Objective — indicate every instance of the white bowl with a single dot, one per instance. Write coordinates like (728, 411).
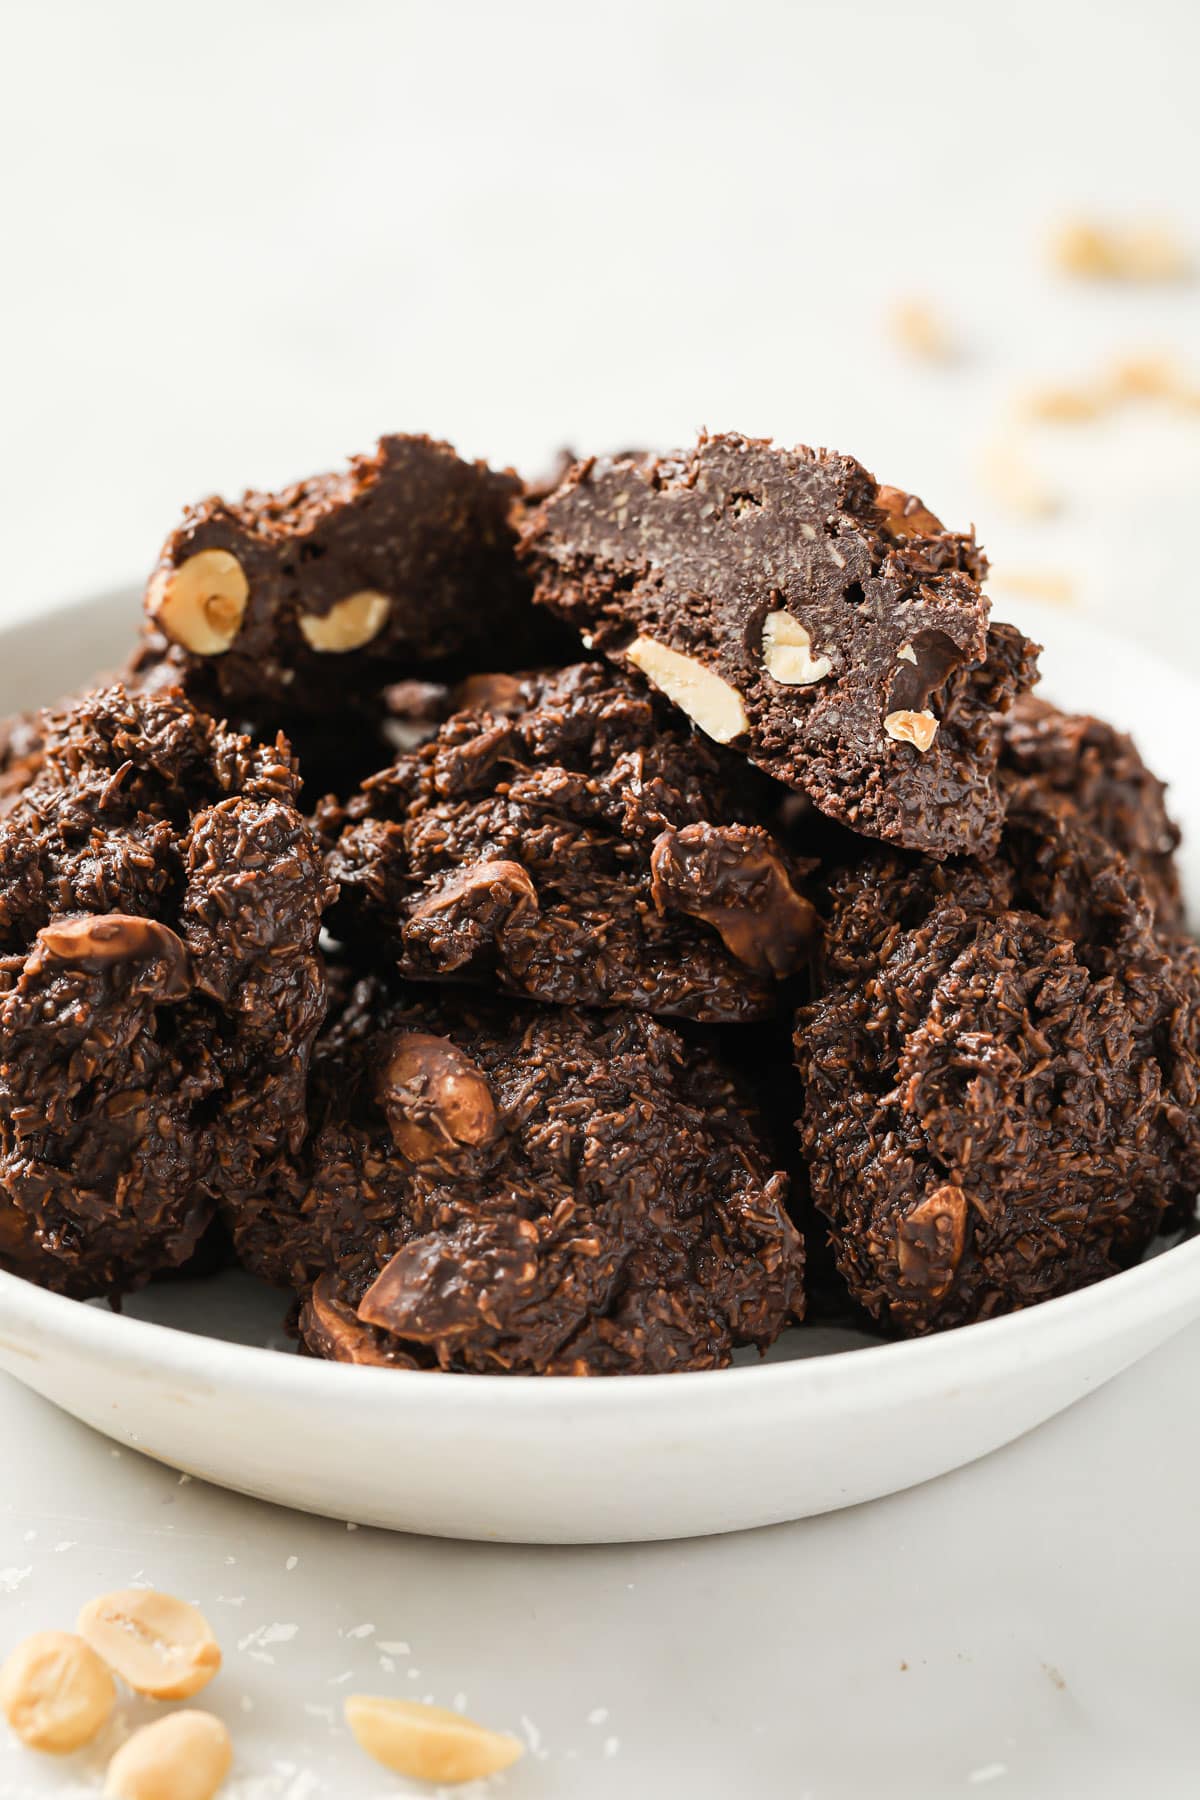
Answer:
(818, 1426)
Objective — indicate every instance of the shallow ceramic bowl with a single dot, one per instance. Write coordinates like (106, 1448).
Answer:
(198, 1381)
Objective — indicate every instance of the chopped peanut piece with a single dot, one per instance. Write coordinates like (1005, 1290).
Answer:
(349, 625)
(1039, 584)
(917, 328)
(55, 1692)
(1128, 379)
(160, 1646)
(1016, 484)
(1066, 405)
(185, 1756)
(428, 1743)
(916, 728)
(787, 652)
(1095, 252)
(707, 699)
(202, 603)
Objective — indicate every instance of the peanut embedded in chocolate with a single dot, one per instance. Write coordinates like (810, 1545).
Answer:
(734, 878)
(435, 1099)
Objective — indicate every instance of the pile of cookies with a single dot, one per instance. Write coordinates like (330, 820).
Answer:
(517, 920)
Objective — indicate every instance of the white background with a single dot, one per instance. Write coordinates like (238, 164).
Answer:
(241, 240)
(238, 241)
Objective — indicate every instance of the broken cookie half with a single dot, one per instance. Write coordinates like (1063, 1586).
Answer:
(306, 600)
(829, 628)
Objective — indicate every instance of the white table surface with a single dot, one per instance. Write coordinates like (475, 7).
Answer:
(238, 242)
(1027, 1625)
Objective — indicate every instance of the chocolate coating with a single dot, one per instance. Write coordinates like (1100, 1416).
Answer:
(530, 1190)
(698, 551)
(1000, 1073)
(570, 842)
(160, 987)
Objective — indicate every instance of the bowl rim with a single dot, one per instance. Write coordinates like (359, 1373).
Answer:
(1166, 1282)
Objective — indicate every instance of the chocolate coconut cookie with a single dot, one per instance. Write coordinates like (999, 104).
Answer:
(1000, 1073)
(567, 839)
(830, 628)
(160, 987)
(311, 600)
(530, 1190)
(1100, 770)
